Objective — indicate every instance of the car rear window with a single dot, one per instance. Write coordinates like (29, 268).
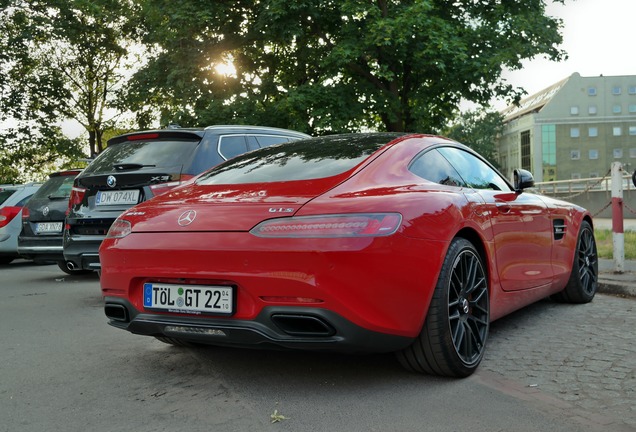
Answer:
(299, 160)
(56, 187)
(5, 194)
(147, 153)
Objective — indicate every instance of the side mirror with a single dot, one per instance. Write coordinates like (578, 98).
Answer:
(523, 180)
(634, 178)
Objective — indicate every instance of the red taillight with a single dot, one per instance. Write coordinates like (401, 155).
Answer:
(7, 214)
(25, 213)
(119, 229)
(344, 225)
(161, 188)
(76, 198)
(142, 136)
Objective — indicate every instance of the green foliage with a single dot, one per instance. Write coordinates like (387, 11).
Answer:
(479, 129)
(61, 59)
(605, 244)
(30, 154)
(318, 66)
(326, 66)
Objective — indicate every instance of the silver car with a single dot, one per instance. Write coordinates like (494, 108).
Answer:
(12, 199)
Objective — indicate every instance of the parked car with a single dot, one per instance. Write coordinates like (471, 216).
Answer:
(43, 220)
(354, 243)
(138, 166)
(12, 199)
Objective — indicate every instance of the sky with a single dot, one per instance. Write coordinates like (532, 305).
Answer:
(599, 38)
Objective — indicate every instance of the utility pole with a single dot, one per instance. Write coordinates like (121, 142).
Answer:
(618, 235)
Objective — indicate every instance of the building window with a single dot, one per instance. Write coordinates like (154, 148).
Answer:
(575, 154)
(593, 132)
(591, 110)
(576, 176)
(593, 154)
(632, 108)
(591, 91)
(594, 175)
(526, 160)
(616, 131)
(618, 153)
(548, 152)
(632, 130)
(574, 110)
(632, 90)
(616, 90)
(632, 153)
(575, 132)
(617, 109)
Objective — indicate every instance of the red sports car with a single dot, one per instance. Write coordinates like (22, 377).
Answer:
(355, 243)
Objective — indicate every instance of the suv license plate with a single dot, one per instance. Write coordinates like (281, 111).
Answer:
(117, 197)
(193, 299)
(48, 227)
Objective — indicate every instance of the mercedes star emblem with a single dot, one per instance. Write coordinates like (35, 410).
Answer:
(187, 217)
(111, 181)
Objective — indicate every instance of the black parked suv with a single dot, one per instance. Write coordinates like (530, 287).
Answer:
(138, 166)
(43, 220)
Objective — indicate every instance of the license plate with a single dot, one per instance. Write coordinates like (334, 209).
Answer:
(48, 227)
(194, 299)
(117, 197)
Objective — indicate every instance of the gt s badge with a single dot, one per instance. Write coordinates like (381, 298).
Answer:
(280, 210)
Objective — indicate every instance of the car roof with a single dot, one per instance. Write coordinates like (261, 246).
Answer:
(191, 133)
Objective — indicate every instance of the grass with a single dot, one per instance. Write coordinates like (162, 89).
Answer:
(605, 245)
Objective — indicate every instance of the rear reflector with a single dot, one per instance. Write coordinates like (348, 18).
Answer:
(343, 225)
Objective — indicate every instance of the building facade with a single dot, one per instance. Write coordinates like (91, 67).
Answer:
(574, 129)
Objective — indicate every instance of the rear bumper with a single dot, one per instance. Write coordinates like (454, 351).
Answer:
(274, 327)
(82, 251)
(41, 248)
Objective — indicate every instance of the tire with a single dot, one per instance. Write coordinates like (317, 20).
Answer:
(583, 282)
(453, 338)
(62, 266)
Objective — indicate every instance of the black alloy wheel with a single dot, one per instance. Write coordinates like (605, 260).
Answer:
(583, 282)
(453, 339)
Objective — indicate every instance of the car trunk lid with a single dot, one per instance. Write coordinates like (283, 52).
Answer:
(225, 207)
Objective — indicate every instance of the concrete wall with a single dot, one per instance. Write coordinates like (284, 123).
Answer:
(594, 201)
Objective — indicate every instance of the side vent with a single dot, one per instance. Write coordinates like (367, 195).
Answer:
(559, 228)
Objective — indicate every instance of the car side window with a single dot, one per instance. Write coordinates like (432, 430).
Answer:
(477, 173)
(23, 201)
(268, 140)
(431, 165)
(232, 145)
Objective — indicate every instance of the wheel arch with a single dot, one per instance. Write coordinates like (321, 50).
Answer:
(473, 236)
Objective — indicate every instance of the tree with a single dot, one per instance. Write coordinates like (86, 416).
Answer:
(30, 154)
(326, 66)
(62, 59)
(480, 130)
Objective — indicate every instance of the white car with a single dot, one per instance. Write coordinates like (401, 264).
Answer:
(12, 199)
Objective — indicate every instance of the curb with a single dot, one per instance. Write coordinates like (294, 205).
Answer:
(623, 285)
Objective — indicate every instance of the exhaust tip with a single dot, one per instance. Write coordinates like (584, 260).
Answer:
(116, 312)
(71, 265)
(303, 325)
